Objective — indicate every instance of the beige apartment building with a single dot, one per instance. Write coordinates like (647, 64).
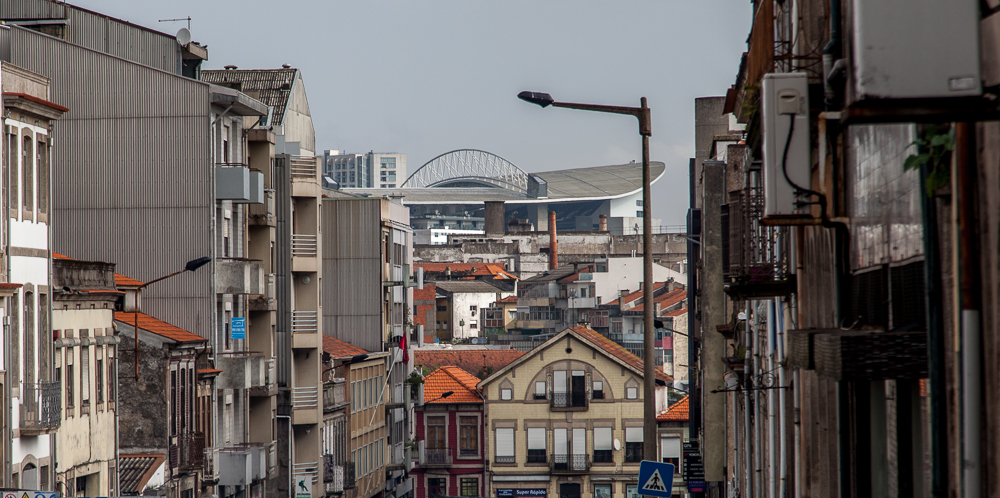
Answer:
(566, 419)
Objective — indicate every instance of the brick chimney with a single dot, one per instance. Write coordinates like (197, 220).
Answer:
(553, 245)
(602, 224)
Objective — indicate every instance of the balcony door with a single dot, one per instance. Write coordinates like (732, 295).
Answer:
(578, 459)
(560, 443)
(578, 388)
(435, 433)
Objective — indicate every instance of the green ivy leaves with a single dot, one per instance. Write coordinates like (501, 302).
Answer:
(934, 150)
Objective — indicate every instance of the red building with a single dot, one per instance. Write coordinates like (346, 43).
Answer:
(450, 434)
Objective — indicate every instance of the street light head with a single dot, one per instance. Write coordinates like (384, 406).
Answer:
(194, 264)
(446, 394)
(539, 98)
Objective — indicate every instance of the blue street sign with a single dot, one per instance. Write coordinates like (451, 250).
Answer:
(238, 327)
(656, 479)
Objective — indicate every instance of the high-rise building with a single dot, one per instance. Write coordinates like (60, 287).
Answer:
(369, 170)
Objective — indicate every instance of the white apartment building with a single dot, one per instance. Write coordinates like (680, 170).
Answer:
(367, 170)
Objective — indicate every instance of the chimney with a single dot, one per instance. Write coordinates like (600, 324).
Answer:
(553, 246)
(602, 224)
(495, 219)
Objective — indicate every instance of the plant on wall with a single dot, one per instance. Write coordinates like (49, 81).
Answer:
(934, 148)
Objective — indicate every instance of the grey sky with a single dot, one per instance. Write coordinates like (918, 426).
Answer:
(427, 77)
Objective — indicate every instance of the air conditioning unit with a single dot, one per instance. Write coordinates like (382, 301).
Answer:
(787, 161)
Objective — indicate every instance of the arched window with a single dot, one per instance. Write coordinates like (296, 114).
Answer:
(29, 477)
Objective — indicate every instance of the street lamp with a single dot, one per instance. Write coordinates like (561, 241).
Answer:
(442, 396)
(192, 265)
(649, 365)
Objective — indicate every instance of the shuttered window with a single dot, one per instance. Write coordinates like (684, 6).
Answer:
(536, 445)
(602, 445)
(505, 445)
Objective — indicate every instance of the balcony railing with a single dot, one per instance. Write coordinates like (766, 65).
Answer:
(333, 393)
(307, 470)
(303, 169)
(304, 245)
(333, 475)
(569, 463)
(504, 459)
(757, 254)
(40, 407)
(304, 322)
(188, 451)
(575, 399)
(437, 456)
(305, 397)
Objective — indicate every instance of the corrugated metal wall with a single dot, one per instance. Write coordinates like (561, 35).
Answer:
(132, 179)
(104, 34)
(352, 271)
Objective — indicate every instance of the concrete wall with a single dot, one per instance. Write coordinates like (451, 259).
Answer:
(298, 125)
(460, 311)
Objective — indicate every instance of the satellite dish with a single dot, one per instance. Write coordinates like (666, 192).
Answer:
(618, 445)
(183, 36)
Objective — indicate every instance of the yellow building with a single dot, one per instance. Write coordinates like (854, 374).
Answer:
(566, 420)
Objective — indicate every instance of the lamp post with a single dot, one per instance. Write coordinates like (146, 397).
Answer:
(649, 364)
(192, 265)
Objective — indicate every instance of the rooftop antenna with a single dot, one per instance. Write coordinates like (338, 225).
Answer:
(188, 19)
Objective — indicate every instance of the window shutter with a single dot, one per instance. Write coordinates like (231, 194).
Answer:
(633, 434)
(505, 442)
(602, 438)
(536, 438)
(560, 441)
(670, 447)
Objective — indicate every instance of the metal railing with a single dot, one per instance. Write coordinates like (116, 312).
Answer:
(308, 470)
(574, 399)
(188, 450)
(757, 252)
(571, 463)
(305, 322)
(333, 475)
(305, 397)
(40, 406)
(437, 456)
(504, 459)
(303, 169)
(304, 245)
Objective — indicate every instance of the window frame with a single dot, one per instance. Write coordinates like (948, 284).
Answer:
(467, 430)
(505, 459)
(462, 490)
(536, 457)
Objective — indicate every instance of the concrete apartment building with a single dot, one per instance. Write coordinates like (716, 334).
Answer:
(85, 360)
(465, 299)
(377, 170)
(555, 413)
(31, 400)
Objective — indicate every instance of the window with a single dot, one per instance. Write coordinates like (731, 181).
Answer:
(602, 491)
(473, 310)
(670, 451)
(442, 308)
(69, 380)
(85, 376)
(12, 144)
(632, 491)
(506, 393)
(638, 214)
(540, 389)
(435, 487)
(536, 445)
(112, 374)
(512, 314)
(638, 203)
(505, 445)
(631, 393)
(470, 486)
(43, 175)
(633, 444)
(472, 324)
(468, 434)
(435, 433)
(28, 163)
(597, 391)
(602, 445)
(99, 380)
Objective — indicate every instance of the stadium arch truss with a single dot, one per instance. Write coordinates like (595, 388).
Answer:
(469, 166)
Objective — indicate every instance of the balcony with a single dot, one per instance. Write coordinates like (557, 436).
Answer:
(870, 356)
(239, 276)
(40, 408)
(569, 401)
(436, 457)
(240, 370)
(238, 183)
(187, 451)
(334, 475)
(305, 250)
(306, 470)
(333, 394)
(577, 303)
(240, 465)
(305, 330)
(263, 214)
(266, 301)
(305, 401)
(569, 464)
(755, 256)
(305, 177)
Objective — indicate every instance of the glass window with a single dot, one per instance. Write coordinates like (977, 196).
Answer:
(632, 491)
(470, 486)
(598, 389)
(602, 491)
(602, 445)
(633, 444)
(435, 487)
(536, 445)
(435, 433)
(540, 389)
(468, 429)
(506, 393)
(670, 451)
(505, 445)
(631, 393)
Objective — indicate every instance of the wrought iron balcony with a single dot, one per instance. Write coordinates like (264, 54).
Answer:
(570, 400)
(40, 408)
(755, 255)
(188, 451)
(569, 463)
(437, 457)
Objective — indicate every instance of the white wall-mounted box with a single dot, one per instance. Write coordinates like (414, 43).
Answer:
(785, 99)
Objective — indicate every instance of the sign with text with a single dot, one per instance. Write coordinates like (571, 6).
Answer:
(511, 493)
(238, 327)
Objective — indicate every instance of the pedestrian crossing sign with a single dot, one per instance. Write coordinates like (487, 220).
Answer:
(656, 479)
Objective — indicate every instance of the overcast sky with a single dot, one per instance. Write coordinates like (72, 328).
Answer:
(427, 77)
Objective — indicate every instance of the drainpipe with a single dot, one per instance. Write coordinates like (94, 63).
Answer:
(291, 458)
(785, 313)
(972, 343)
(772, 460)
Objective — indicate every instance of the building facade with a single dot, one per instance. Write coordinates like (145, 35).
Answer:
(374, 170)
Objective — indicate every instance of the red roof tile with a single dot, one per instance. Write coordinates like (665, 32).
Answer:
(158, 327)
(576, 276)
(209, 370)
(340, 349)
(679, 412)
(123, 281)
(614, 349)
(636, 295)
(428, 293)
(454, 379)
(56, 255)
(496, 270)
(679, 312)
(471, 360)
(508, 300)
(666, 300)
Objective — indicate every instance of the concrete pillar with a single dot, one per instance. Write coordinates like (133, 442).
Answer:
(713, 314)
(495, 226)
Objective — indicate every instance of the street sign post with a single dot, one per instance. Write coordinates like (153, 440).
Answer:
(656, 479)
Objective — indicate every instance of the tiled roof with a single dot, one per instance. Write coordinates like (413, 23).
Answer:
(450, 378)
(508, 300)
(496, 270)
(614, 349)
(679, 312)
(135, 470)
(425, 294)
(576, 276)
(666, 300)
(340, 349)
(466, 286)
(158, 327)
(56, 255)
(123, 281)
(472, 361)
(676, 413)
(272, 87)
(635, 295)
(552, 275)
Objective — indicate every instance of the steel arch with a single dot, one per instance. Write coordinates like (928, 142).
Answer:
(472, 165)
